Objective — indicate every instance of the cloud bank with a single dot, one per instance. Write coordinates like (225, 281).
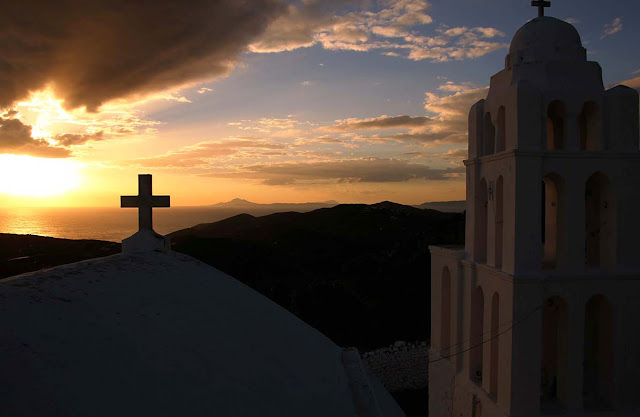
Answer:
(95, 51)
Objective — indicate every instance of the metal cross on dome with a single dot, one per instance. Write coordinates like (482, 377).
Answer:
(145, 202)
(540, 4)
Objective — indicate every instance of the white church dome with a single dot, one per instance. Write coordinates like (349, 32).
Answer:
(545, 39)
(162, 334)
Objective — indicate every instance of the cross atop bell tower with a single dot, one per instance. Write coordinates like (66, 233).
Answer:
(540, 4)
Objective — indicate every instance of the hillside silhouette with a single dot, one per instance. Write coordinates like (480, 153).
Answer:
(27, 253)
(358, 273)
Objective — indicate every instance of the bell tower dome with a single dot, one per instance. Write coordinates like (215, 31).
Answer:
(545, 39)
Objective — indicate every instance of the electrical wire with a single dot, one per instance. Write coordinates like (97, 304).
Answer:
(491, 338)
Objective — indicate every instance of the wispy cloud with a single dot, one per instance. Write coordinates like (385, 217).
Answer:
(612, 28)
(71, 139)
(203, 90)
(450, 111)
(456, 154)
(389, 30)
(370, 170)
(288, 125)
(294, 151)
(446, 122)
(204, 153)
(381, 122)
(452, 87)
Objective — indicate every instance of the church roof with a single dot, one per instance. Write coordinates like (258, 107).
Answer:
(546, 39)
(157, 333)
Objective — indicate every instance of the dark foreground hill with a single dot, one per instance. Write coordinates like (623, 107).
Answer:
(358, 273)
(26, 253)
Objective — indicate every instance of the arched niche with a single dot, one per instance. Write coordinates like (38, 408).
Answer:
(556, 125)
(500, 130)
(445, 312)
(601, 249)
(553, 219)
(499, 221)
(494, 347)
(480, 236)
(489, 135)
(554, 354)
(590, 127)
(598, 366)
(476, 336)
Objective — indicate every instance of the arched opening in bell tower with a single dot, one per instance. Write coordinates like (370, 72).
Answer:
(600, 223)
(489, 135)
(494, 346)
(500, 131)
(445, 313)
(552, 219)
(553, 365)
(499, 216)
(476, 336)
(555, 125)
(589, 127)
(598, 370)
(481, 222)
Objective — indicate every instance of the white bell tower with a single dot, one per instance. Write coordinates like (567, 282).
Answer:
(535, 315)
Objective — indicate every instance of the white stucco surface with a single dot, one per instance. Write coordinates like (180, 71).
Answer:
(162, 334)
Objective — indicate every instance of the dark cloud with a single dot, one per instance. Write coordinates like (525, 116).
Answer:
(94, 51)
(351, 170)
(10, 113)
(70, 139)
(382, 122)
(15, 137)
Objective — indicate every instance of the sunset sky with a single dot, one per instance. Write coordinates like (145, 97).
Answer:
(270, 101)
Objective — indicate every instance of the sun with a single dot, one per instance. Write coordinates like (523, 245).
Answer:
(27, 176)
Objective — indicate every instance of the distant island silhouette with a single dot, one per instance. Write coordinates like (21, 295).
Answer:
(456, 206)
(241, 203)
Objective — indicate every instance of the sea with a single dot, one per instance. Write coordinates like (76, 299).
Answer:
(110, 224)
